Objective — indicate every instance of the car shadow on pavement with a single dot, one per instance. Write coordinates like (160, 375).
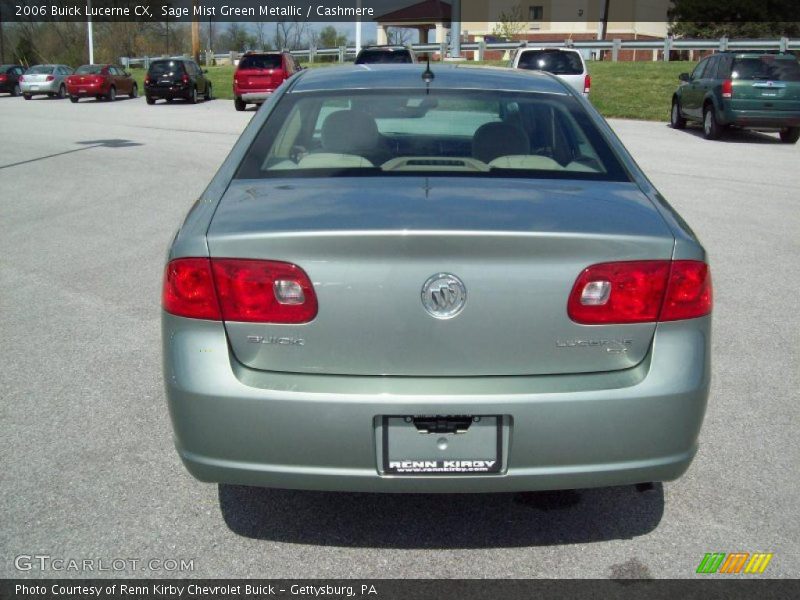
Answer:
(417, 521)
(88, 144)
(737, 136)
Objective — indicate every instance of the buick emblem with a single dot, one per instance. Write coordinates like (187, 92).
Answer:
(444, 295)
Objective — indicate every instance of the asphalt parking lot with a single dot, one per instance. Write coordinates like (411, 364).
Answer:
(90, 195)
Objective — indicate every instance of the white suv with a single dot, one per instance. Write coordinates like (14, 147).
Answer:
(565, 63)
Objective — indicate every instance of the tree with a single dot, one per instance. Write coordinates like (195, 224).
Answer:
(399, 36)
(734, 18)
(25, 53)
(261, 36)
(510, 23)
(236, 37)
(329, 37)
(289, 35)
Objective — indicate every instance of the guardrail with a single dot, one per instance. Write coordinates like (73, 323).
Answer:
(661, 48)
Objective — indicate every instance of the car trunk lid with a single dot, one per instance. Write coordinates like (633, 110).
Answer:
(370, 244)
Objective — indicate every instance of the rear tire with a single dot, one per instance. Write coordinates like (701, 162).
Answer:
(62, 92)
(168, 100)
(26, 96)
(790, 135)
(73, 99)
(112, 94)
(150, 100)
(711, 128)
(675, 118)
(209, 95)
(239, 104)
(16, 91)
(134, 91)
(193, 96)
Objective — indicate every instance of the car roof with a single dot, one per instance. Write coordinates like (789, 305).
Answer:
(543, 49)
(409, 76)
(746, 53)
(385, 47)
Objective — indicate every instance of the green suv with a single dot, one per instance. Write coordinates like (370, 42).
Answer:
(753, 90)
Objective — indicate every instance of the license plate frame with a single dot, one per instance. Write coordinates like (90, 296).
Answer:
(408, 453)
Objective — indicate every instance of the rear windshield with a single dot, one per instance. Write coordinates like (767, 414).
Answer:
(447, 132)
(89, 70)
(166, 67)
(40, 69)
(552, 61)
(370, 57)
(767, 67)
(261, 61)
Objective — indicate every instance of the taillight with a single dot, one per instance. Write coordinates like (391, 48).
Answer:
(22, 78)
(185, 78)
(189, 289)
(727, 88)
(147, 79)
(640, 292)
(231, 289)
(99, 79)
(587, 83)
(3, 78)
(264, 291)
(50, 78)
(689, 293)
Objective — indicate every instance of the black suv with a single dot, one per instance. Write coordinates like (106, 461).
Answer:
(171, 78)
(9, 79)
(371, 55)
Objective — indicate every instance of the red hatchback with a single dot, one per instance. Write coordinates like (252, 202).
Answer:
(259, 74)
(103, 82)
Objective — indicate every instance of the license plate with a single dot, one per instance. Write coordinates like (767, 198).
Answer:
(442, 445)
(35, 88)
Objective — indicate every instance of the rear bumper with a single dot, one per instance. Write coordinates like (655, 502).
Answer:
(32, 88)
(236, 425)
(177, 91)
(257, 97)
(761, 119)
(89, 89)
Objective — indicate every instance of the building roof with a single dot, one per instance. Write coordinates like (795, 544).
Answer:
(427, 10)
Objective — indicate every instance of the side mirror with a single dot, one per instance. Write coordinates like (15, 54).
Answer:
(684, 77)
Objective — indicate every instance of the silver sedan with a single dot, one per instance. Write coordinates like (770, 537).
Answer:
(47, 80)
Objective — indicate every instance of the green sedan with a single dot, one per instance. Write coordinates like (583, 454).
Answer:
(446, 280)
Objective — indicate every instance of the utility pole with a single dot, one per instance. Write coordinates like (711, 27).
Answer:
(195, 33)
(90, 33)
(2, 42)
(358, 30)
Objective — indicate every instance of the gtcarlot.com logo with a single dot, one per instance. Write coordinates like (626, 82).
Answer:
(45, 562)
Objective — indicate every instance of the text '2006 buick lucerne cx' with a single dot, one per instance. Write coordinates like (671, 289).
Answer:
(457, 280)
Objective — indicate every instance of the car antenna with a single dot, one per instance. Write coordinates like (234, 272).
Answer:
(427, 75)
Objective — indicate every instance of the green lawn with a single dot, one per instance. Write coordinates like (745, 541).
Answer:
(635, 90)
(631, 90)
